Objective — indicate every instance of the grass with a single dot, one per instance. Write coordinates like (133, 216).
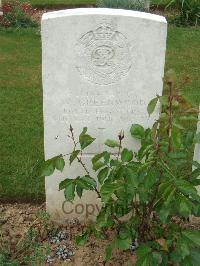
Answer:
(21, 134)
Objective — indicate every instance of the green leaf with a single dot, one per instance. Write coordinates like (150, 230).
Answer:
(124, 232)
(63, 184)
(185, 187)
(170, 196)
(126, 155)
(195, 257)
(183, 246)
(137, 131)
(85, 140)
(83, 131)
(102, 175)
(82, 239)
(178, 155)
(107, 190)
(145, 261)
(106, 157)
(98, 234)
(189, 118)
(193, 236)
(132, 177)
(164, 100)
(151, 178)
(143, 250)
(73, 156)
(185, 206)
(97, 157)
(157, 258)
(69, 192)
(81, 183)
(90, 181)
(123, 244)
(97, 165)
(104, 218)
(79, 191)
(48, 167)
(177, 125)
(176, 257)
(196, 164)
(163, 214)
(60, 163)
(188, 138)
(118, 172)
(108, 252)
(152, 105)
(176, 137)
(195, 174)
(197, 138)
(145, 256)
(112, 143)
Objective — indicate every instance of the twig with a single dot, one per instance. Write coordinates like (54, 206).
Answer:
(121, 137)
(80, 158)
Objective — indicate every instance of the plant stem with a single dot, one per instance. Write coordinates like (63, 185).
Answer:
(80, 159)
(120, 136)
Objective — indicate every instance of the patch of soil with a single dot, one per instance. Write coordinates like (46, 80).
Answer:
(17, 219)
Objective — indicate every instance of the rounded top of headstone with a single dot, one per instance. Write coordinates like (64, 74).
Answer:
(103, 11)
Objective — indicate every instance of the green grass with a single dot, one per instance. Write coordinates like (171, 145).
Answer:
(21, 134)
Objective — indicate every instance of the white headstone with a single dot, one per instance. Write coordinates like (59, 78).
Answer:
(101, 67)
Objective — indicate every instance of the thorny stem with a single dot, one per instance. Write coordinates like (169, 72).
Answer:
(80, 158)
(116, 218)
(121, 137)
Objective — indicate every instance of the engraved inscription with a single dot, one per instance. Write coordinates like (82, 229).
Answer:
(102, 108)
(103, 55)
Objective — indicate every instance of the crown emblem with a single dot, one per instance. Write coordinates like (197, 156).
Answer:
(104, 32)
(104, 55)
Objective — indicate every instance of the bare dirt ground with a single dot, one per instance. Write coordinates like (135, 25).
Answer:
(24, 226)
(18, 220)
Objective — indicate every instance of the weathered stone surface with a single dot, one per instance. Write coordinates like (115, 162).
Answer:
(101, 67)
